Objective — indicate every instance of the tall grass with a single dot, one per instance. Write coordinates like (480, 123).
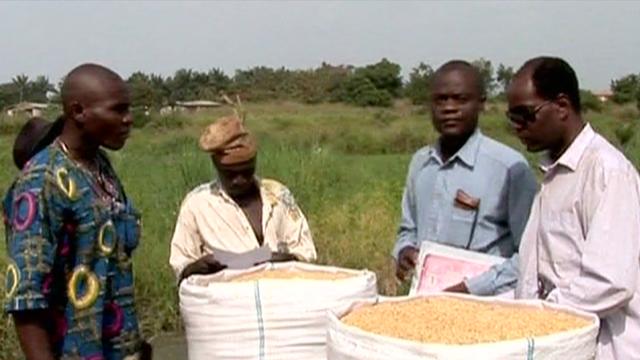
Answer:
(346, 167)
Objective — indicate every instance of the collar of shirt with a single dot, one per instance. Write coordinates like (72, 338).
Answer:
(467, 154)
(269, 199)
(218, 190)
(571, 157)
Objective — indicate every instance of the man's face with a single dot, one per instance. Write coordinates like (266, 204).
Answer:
(455, 103)
(106, 116)
(533, 119)
(237, 179)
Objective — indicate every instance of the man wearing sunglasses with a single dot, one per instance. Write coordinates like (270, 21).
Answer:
(467, 191)
(581, 246)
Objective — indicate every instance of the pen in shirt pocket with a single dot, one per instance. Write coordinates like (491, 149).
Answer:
(468, 202)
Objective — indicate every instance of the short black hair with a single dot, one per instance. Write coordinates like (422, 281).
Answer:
(553, 76)
(83, 79)
(461, 65)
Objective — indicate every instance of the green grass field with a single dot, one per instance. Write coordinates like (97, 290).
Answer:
(345, 165)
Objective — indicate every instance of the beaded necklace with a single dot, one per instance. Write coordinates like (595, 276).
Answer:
(105, 187)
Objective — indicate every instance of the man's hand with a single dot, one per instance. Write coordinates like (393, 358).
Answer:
(279, 257)
(407, 260)
(205, 265)
(282, 257)
(458, 288)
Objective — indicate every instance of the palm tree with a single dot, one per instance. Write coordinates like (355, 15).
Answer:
(39, 88)
(21, 81)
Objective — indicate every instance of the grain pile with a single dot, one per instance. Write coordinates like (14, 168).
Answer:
(443, 320)
(287, 274)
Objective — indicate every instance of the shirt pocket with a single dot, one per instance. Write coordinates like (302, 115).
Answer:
(460, 227)
(129, 228)
(560, 244)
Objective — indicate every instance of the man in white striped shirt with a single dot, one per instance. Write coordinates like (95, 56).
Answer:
(581, 246)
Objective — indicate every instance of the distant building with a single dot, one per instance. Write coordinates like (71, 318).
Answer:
(166, 110)
(28, 108)
(196, 105)
(604, 95)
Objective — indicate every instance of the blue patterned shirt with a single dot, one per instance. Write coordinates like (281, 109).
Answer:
(70, 253)
(486, 170)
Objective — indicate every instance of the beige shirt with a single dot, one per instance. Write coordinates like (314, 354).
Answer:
(210, 219)
(581, 246)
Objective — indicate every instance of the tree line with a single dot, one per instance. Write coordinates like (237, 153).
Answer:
(376, 84)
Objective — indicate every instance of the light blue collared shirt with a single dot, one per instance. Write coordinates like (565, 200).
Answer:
(487, 170)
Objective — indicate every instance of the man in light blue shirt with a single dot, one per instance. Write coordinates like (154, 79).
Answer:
(468, 190)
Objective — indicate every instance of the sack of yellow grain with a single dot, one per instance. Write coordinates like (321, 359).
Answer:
(457, 327)
(272, 311)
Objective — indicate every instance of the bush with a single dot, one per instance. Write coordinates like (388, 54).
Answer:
(589, 101)
(384, 117)
(384, 75)
(11, 125)
(140, 117)
(418, 87)
(373, 97)
(172, 121)
(360, 91)
(624, 133)
(313, 98)
(625, 89)
(625, 112)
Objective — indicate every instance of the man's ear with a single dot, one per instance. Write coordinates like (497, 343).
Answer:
(77, 112)
(483, 102)
(564, 106)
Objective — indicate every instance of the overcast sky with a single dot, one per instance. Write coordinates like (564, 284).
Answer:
(600, 39)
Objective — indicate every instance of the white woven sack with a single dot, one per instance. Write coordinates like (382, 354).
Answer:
(266, 319)
(350, 343)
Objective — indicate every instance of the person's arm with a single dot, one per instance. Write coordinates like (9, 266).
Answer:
(32, 248)
(33, 337)
(609, 265)
(405, 251)
(522, 187)
(527, 284)
(186, 256)
(295, 234)
(407, 231)
(207, 264)
(186, 243)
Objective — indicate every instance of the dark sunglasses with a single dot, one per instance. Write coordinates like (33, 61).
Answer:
(523, 115)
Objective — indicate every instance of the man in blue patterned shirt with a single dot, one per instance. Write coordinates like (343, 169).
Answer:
(467, 191)
(71, 231)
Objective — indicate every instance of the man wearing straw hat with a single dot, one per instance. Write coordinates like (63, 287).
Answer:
(238, 212)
